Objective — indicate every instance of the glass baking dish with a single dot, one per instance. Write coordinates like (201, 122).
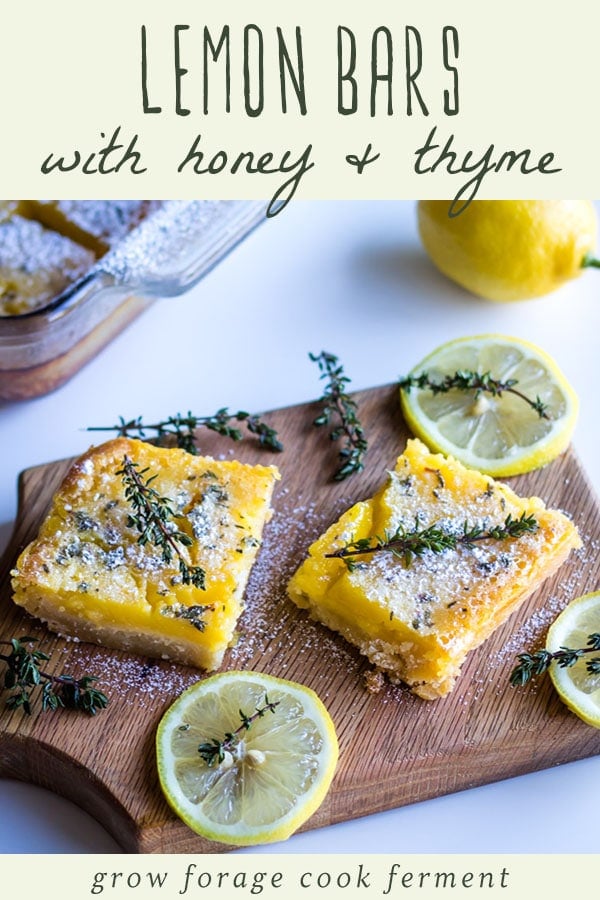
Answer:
(165, 255)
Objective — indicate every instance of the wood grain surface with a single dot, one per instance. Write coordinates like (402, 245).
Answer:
(394, 748)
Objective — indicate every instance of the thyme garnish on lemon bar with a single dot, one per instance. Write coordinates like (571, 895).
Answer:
(153, 516)
(406, 545)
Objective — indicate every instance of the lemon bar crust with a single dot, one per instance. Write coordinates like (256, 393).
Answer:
(418, 622)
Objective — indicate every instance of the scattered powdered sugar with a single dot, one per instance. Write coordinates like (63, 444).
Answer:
(270, 623)
(28, 248)
(531, 634)
(132, 680)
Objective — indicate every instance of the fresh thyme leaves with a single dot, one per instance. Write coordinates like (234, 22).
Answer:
(193, 614)
(267, 436)
(338, 405)
(466, 380)
(182, 429)
(406, 545)
(532, 664)
(153, 518)
(23, 674)
(214, 751)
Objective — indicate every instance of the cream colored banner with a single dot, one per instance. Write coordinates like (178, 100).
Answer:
(320, 99)
(327, 876)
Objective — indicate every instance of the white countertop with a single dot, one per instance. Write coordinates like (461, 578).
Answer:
(351, 278)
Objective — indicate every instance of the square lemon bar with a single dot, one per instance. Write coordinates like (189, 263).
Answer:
(417, 615)
(88, 575)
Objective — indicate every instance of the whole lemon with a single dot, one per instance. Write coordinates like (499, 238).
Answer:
(509, 249)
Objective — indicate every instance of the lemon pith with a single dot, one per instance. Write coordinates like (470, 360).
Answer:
(576, 687)
(507, 250)
(278, 774)
(500, 436)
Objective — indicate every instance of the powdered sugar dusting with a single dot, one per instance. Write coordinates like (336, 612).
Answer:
(131, 680)
(270, 623)
(531, 634)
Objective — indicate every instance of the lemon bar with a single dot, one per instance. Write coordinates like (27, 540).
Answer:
(88, 575)
(95, 224)
(417, 615)
(35, 264)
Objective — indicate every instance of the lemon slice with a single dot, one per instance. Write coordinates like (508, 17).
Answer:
(499, 435)
(577, 687)
(270, 780)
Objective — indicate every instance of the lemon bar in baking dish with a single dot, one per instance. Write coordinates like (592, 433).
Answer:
(416, 613)
(95, 224)
(36, 265)
(89, 575)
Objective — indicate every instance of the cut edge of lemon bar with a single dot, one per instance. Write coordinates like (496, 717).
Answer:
(418, 622)
(88, 577)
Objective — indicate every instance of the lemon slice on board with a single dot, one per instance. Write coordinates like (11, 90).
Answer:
(576, 686)
(498, 435)
(265, 783)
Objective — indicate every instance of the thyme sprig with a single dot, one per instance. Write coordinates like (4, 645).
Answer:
(467, 380)
(213, 751)
(532, 664)
(153, 517)
(183, 429)
(23, 675)
(406, 545)
(337, 405)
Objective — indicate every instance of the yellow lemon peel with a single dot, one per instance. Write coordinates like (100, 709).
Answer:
(507, 250)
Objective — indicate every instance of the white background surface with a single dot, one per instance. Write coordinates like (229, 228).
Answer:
(351, 278)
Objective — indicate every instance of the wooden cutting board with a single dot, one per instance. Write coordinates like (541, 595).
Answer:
(394, 748)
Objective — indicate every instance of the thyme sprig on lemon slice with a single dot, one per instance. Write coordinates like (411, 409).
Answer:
(532, 664)
(215, 750)
(261, 776)
(467, 380)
